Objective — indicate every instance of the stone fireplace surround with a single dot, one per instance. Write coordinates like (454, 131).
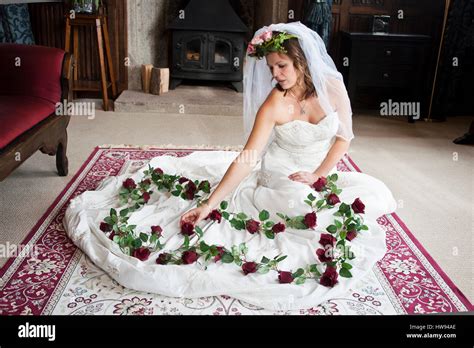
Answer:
(148, 39)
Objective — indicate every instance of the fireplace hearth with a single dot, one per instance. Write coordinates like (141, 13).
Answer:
(208, 43)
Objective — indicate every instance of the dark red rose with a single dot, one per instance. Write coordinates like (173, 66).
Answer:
(105, 227)
(112, 235)
(142, 253)
(329, 277)
(215, 215)
(332, 199)
(146, 182)
(146, 196)
(327, 239)
(158, 171)
(310, 220)
(252, 226)
(278, 228)
(351, 235)
(249, 267)
(189, 257)
(320, 184)
(129, 184)
(163, 259)
(358, 206)
(221, 252)
(324, 255)
(190, 190)
(187, 229)
(183, 180)
(156, 230)
(285, 277)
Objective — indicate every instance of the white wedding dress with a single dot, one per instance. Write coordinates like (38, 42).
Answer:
(297, 146)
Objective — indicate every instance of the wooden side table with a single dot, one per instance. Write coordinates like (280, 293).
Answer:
(100, 22)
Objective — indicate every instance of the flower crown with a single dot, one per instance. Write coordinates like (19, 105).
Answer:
(268, 42)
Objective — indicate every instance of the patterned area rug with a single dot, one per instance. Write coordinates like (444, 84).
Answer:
(59, 279)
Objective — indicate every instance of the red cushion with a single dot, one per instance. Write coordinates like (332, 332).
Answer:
(39, 72)
(19, 114)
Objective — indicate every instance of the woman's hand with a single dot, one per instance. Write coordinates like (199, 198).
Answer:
(196, 215)
(304, 177)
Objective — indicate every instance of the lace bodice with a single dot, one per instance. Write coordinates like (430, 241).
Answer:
(298, 145)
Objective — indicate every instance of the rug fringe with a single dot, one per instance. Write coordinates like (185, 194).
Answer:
(172, 146)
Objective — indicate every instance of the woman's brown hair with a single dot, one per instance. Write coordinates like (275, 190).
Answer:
(294, 51)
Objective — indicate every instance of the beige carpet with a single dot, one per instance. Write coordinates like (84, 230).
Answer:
(431, 178)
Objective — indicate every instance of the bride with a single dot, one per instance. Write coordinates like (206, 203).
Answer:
(298, 125)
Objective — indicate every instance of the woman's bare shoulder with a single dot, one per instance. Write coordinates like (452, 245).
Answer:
(273, 104)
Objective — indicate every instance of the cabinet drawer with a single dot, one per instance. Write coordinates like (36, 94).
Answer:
(386, 76)
(387, 53)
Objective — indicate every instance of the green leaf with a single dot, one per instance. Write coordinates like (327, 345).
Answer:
(225, 215)
(346, 265)
(282, 216)
(299, 272)
(269, 224)
(338, 224)
(344, 272)
(241, 216)
(124, 212)
(179, 188)
(203, 246)
(331, 229)
(338, 192)
(198, 231)
(227, 258)
(186, 242)
(311, 197)
(314, 269)
(153, 238)
(281, 258)
(344, 207)
(265, 260)
(109, 220)
(300, 280)
(263, 269)
(137, 243)
(117, 239)
(337, 213)
(144, 237)
(264, 215)
(342, 235)
(113, 212)
(224, 205)
(308, 202)
(270, 234)
(320, 203)
(365, 228)
(243, 248)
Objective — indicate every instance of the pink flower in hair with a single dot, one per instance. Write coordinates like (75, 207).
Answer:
(266, 36)
(251, 49)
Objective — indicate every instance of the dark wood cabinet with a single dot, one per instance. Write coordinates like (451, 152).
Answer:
(392, 66)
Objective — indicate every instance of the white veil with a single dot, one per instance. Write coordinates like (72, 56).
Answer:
(328, 82)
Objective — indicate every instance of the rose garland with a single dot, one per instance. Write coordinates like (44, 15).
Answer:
(334, 254)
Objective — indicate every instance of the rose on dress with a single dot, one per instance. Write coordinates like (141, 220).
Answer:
(285, 277)
(158, 171)
(146, 182)
(215, 215)
(221, 252)
(156, 230)
(327, 239)
(249, 267)
(332, 199)
(142, 253)
(252, 226)
(183, 180)
(358, 206)
(146, 196)
(189, 257)
(129, 184)
(278, 228)
(105, 227)
(187, 229)
(320, 184)
(323, 256)
(163, 259)
(310, 220)
(351, 235)
(329, 277)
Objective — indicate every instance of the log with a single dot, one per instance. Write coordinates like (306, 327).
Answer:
(146, 77)
(160, 80)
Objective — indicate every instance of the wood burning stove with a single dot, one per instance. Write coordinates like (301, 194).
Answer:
(208, 43)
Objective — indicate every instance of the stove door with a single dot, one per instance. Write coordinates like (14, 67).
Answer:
(220, 54)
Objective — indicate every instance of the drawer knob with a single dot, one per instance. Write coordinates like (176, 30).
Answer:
(388, 53)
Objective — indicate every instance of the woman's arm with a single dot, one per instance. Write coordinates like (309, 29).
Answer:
(336, 152)
(246, 160)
